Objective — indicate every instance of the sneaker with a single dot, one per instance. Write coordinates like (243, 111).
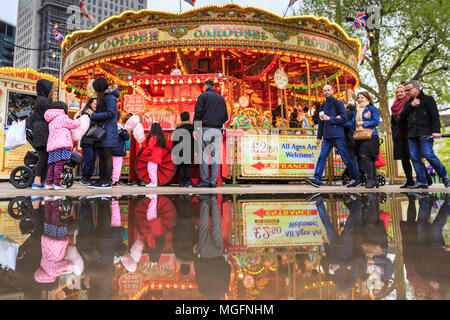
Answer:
(446, 182)
(151, 185)
(202, 185)
(116, 184)
(314, 182)
(56, 187)
(94, 184)
(189, 184)
(35, 186)
(86, 182)
(102, 186)
(418, 186)
(314, 197)
(182, 185)
(33, 199)
(213, 185)
(48, 198)
(48, 187)
(151, 196)
(354, 184)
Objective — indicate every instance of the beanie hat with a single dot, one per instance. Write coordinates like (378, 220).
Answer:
(100, 85)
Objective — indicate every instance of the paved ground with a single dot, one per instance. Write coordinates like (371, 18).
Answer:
(8, 191)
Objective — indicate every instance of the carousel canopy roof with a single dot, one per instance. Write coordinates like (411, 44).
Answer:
(246, 44)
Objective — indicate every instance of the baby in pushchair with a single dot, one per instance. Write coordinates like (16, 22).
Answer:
(23, 176)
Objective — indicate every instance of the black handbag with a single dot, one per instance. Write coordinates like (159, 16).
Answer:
(96, 133)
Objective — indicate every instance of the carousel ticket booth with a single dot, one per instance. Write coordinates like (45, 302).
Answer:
(17, 97)
(266, 67)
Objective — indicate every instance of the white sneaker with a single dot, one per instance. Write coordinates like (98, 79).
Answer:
(151, 196)
(151, 185)
(48, 187)
(55, 187)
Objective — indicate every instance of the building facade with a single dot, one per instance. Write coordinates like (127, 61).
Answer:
(7, 35)
(33, 26)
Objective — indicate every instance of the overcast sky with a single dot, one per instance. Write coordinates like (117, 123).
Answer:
(8, 10)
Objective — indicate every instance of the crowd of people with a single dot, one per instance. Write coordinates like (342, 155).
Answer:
(351, 130)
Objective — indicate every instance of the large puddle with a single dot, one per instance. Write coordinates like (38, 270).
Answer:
(231, 247)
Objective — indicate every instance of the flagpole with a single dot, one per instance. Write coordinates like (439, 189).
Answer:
(60, 72)
(180, 6)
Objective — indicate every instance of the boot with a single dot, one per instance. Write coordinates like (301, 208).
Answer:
(375, 177)
(368, 167)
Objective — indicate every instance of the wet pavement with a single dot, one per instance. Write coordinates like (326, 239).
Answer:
(353, 246)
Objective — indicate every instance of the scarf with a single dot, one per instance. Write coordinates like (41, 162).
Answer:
(360, 109)
(397, 107)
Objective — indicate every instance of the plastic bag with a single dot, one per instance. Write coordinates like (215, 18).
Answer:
(8, 253)
(16, 136)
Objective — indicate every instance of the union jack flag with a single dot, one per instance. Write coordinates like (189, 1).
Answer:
(58, 36)
(191, 2)
(361, 19)
(291, 3)
(364, 52)
(85, 13)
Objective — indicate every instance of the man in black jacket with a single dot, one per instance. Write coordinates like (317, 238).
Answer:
(210, 113)
(422, 115)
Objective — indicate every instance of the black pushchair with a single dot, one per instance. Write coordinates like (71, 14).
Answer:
(23, 176)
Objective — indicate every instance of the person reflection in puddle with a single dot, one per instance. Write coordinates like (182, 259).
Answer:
(57, 255)
(31, 253)
(343, 255)
(184, 234)
(212, 271)
(374, 238)
(424, 251)
(152, 229)
(99, 240)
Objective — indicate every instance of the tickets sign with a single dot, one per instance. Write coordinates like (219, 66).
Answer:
(278, 155)
(133, 103)
(282, 223)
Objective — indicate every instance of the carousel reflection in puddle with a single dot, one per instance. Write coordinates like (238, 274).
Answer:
(241, 247)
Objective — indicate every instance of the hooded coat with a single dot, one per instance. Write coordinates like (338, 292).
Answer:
(59, 129)
(107, 117)
(39, 125)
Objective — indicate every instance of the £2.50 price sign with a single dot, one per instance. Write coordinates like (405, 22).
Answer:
(281, 223)
(278, 155)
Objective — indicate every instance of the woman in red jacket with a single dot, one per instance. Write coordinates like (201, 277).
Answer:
(153, 152)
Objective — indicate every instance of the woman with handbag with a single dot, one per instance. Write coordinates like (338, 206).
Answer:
(104, 133)
(367, 144)
(87, 145)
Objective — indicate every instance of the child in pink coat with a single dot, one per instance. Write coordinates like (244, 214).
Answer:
(59, 142)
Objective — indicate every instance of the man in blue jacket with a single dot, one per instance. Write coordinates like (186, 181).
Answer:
(332, 116)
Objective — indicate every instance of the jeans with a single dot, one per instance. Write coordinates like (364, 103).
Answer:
(209, 234)
(212, 140)
(88, 166)
(341, 245)
(431, 234)
(422, 147)
(327, 146)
